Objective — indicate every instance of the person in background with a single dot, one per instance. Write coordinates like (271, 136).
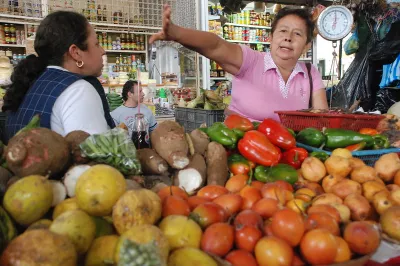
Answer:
(263, 82)
(60, 82)
(126, 112)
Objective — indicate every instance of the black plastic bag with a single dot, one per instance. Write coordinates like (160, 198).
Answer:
(355, 84)
(385, 98)
(385, 52)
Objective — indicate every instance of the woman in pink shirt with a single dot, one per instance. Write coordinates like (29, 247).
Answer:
(263, 82)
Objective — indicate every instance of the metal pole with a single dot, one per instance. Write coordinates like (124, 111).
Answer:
(340, 59)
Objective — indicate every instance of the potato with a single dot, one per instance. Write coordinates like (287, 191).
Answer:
(341, 152)
(359, 207)
(329, 181)
(382, 201)
(356, 162)
(313, 169)
(370, 188)
(327, 198)
(363, 174)
(346, 187)
(336, 165)
(387, 166)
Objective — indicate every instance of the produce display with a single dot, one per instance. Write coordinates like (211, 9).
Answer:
(114, 100)
(235, 193)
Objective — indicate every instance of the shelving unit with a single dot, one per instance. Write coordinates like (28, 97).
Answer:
(13, 45)
(125, 52)
(247, 26)
(249, 42)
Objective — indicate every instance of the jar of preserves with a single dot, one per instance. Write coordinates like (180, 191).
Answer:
(13, 39)
(7, 28)
(12, 28)
(8, 38)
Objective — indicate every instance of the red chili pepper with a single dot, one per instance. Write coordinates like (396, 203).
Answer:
(238, 122)
(294, 157)
(277, 134)
(368, 131)
(256, 147)
(357, 147)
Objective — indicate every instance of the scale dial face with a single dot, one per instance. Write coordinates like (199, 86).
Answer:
(335, 23)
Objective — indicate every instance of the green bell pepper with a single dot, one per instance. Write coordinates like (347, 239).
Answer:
(381, 142)
(311, 136)
(282, 172)
(322, 156)
(239, 133)
(341, 138)
(218, 132)
(256, 124)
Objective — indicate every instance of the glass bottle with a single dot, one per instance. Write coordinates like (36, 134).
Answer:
(140, 132)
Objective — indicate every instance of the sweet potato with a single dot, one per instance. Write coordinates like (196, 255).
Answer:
(169, 141)
(152, 163)
(193, 176)
(75, 138)
(38, 151)
(200, 141)
(217, 164)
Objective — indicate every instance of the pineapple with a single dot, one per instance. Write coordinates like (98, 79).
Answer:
(133, 254)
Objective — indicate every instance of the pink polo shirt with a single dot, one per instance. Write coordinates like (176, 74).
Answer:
(259, 89)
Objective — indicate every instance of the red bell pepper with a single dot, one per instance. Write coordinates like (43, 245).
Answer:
(357, 147)
(238, 122)
(277, 134)
(294, 157)
(368, 131)
(256, 147)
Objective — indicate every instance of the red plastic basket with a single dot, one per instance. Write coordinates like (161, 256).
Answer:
(297, 120)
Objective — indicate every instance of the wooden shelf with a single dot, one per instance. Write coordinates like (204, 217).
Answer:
(248, 26)
(213, 17)
(305, 59)
(218, 78)
(13, 45)
(125, 51)
(236, 41)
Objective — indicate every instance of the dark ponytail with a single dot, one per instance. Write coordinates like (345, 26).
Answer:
(55, 34)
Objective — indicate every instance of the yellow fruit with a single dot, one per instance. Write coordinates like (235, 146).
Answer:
(190, 257)
(40, 248)
(69, 204)
(98, 189)
(136, 207)
(41, 224)
(103, 227)
(102, 251)
(181, 231)
(78, 226)
(345, 153)
(298, 205)
(28, 199)
(146, 234)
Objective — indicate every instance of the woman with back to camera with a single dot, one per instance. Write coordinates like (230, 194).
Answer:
(60, 82)
(263, 82)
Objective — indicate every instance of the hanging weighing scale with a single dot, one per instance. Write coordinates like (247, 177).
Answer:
(333, 24)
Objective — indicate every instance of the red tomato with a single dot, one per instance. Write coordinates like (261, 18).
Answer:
(257, 184)
(323, 221)
(250, 196)
(273, 191)
(212, 191)
(174, 205)
(218, 239)
(271, 250)
(208, 213)
(325, 208)
(284, 185)
(266, 207)
(231, 203)
(172, 191)
(236, 183)
(319, 247)
(362, 237)
(247, 237)
(248, 218)
(195, 201)
(288, 225)
(241, 257)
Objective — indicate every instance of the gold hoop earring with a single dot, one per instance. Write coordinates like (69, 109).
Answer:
(80, 64)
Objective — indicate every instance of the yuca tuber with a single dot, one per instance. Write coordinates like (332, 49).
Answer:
(217, 164)
(152, 163)
(190, 144)
(71, 177)
(132, 184)
(75, 138)
(193, 176)
(200, 141)
(38, 151)
(169, 141)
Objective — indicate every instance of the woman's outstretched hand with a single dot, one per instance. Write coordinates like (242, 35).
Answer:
(166, 34)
